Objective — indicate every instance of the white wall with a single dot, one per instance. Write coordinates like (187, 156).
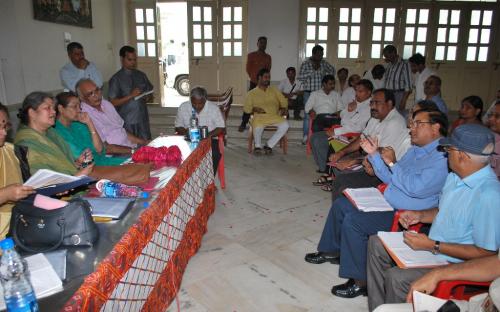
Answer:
(32, 52)
(278, 20)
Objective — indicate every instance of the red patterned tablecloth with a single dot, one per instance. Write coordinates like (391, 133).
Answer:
(144, 270)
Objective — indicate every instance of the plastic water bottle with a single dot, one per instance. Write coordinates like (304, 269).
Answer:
(17, 290)
(194, 130)
(113, 189)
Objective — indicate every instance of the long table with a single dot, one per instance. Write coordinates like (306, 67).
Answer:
(138, 262)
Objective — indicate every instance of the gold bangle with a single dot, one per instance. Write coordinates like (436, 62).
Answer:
(93, 132)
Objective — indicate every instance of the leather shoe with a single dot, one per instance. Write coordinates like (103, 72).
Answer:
(349, 289)
(322, 257)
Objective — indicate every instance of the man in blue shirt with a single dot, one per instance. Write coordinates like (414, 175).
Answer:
(414, 182)
(464, 227)
(78, 68)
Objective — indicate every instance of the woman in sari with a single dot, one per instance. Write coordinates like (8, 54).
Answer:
(46, 149)
(79, 132)
(11, 188)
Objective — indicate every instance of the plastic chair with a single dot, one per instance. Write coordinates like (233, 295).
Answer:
(457, 289)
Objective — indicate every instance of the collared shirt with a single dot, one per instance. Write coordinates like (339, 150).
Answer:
(397, 76)
(311, 78)
(348, 96)
(356, 120)
(495, 159)
(391, 131)
(255, 62)
(420, 79)
(469, 211)
(270, 100)
(121, 84)
(440, 103)
(210, 116)
(108, 123)
(286, 87)
(416, 180)
(323, 103)
(70, 75)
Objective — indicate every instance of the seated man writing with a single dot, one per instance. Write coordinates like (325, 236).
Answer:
(108, 123)
(267, 104)
(353, 119)
(324, 104)
(465, 226)
(414, 182)
(208, 115)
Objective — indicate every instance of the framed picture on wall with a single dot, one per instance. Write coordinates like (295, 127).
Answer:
(71, 12)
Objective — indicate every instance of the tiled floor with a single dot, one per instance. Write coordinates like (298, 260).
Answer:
(252, 257)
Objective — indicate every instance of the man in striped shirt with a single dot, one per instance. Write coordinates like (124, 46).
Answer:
(311, 75)
(397, 77)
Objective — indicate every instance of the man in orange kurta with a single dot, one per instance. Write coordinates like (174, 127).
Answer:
(256, 61)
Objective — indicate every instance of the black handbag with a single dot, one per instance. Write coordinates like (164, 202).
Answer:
(38, 230)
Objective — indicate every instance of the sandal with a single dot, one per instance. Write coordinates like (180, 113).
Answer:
(327, 187)
(324, 179)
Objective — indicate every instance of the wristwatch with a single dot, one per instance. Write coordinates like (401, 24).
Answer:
(435, 249)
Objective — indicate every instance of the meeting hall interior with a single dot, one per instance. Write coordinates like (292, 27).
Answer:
(248, 126)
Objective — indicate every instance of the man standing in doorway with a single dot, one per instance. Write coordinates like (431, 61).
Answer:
(397, 77)
(311, 74)
(417, 65)
(124, 88)
(78, 68)
(256, 61)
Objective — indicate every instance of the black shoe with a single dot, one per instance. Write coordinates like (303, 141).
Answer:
(322, 257)
(268, 150)
(257, 151)
(242, 128)
(349, 290)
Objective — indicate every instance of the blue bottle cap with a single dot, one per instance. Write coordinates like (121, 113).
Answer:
(144, 194)
(7, 243)
(145, 205)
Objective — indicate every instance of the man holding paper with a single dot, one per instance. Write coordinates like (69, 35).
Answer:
(414, 182)
(129, 91)
(465, 226)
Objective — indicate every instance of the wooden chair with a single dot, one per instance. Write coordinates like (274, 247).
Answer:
(223, 100)
(283, 141)
(446, 289)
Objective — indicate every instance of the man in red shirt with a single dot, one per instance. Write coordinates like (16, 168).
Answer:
(256, 61)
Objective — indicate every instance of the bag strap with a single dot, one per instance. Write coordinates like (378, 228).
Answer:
(61, 222)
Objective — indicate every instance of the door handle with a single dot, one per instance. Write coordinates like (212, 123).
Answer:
(360, 61)
(496, 64)
(196, 60)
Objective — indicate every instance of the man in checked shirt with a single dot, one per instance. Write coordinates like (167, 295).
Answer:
(311, 73)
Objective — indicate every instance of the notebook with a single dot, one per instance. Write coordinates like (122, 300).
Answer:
(48, 182)
(367, 199)
(114, 208)
(44, 279)
(405, 256)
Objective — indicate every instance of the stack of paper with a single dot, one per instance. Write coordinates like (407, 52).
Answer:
(367, 199)
(48, 182)
(423, 302)
(404, 255)
(44, 279)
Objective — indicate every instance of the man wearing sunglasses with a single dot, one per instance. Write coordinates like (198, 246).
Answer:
(464, 227)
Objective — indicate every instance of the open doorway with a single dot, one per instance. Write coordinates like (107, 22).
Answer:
(174, 52)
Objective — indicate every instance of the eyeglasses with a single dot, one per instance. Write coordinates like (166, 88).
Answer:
(95, 92)
(417, 123)
(447, 149)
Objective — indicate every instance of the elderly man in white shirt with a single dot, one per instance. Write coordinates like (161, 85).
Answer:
(353, 119)
(208, 115)
(324, 104)
(349, 94)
